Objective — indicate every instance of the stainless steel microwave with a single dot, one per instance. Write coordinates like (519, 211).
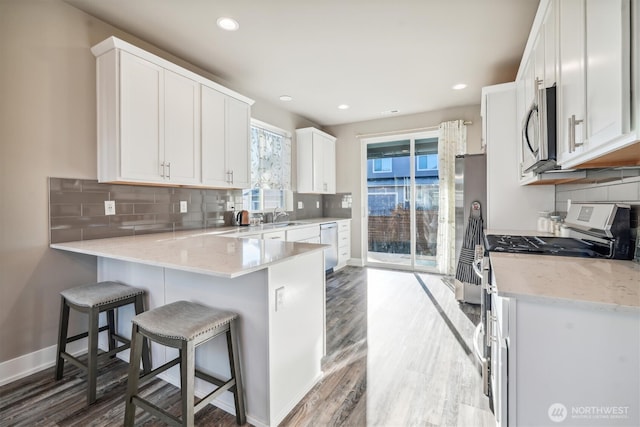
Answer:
(539, 133)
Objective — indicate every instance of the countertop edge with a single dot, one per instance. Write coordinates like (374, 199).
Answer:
(246, 270)
(591, 305)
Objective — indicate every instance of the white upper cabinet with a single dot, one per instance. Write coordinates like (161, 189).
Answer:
(595, 95)
(571, 94)
(151, 119)
(238, 142)
(141, 154)
(225, 141)
(316, 161)
(181, 129)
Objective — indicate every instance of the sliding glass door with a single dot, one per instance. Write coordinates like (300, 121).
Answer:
(402, 201)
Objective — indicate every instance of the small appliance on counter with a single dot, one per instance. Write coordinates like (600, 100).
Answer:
(243, 218)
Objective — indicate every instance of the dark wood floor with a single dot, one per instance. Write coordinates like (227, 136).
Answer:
(398, 353)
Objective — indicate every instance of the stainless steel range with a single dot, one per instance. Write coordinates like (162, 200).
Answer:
(596, 230)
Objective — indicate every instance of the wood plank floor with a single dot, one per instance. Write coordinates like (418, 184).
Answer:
(398, 354)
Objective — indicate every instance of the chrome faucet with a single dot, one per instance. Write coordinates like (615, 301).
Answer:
(278, 212)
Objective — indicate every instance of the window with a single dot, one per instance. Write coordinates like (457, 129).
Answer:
(427, 162)
(382, 165)
(270, 169)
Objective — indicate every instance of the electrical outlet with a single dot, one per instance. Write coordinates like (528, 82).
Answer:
(280, 298)
(300, 204)
(109, 207)
(317, 204)
(183, 206)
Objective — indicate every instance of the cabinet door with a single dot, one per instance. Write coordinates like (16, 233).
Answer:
(539, 63)
(608, 83)
(550, 42)
(181, 129)
(214, 169)
(238, 117)
(318, 163)
(572, 77)
(140, 119)
(329, 166)
(529, 81)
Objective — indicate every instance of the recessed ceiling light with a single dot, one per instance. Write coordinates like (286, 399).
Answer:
(343, 107)
(228, 24)
(285, 98)
(459, 86)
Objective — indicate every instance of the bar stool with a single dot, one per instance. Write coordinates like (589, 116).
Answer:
(94, 299)
(184, 325)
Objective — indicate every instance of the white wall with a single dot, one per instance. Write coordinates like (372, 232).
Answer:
(48, 128)
(348, 152)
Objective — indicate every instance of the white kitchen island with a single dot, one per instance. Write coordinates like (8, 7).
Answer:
(276, 287)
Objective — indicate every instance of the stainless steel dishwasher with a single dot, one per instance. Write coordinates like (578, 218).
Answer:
(329, 236)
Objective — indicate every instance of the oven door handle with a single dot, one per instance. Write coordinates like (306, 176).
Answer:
(477, 267)
(484, 362)
(476, 345)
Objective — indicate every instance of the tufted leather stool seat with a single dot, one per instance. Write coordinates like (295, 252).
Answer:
(94, 299)
(184, 325)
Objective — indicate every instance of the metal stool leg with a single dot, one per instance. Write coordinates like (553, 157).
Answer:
(62, 337)
(236, 372)
(136, 352)
(146, 344)
(111, 323)
(92, 356)
(187, 381)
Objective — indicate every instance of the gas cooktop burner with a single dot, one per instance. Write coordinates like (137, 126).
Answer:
(562, 246)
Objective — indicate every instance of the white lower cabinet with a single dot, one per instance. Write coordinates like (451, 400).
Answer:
(554, 359)
(275, 235)
(344, 243)
(310, 234)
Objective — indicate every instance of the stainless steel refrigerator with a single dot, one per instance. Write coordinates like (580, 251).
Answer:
(471, 186)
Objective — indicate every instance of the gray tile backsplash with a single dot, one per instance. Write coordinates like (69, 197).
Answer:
(626, 190)
(76, 209)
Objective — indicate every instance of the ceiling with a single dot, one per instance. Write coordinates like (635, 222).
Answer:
(373, 55)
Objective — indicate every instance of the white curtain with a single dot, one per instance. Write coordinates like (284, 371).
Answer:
(452, 141)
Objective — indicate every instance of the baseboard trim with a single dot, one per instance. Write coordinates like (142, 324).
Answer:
(27, 364)
(355, 262)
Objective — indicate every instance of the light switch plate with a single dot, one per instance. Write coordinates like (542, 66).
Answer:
(317, 204)
(109, 207)
(183, 206)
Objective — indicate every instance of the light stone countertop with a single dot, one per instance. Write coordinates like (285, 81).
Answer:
(605, 284)
(197, 251)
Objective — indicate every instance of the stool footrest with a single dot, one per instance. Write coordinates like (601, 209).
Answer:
(74, 361)
(86, 334)
(156, 411)
(215, 393)
(160, 369)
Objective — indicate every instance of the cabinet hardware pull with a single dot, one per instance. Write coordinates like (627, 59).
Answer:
(162, 173)
(231, 172)
(169, 167)
(572, 133)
